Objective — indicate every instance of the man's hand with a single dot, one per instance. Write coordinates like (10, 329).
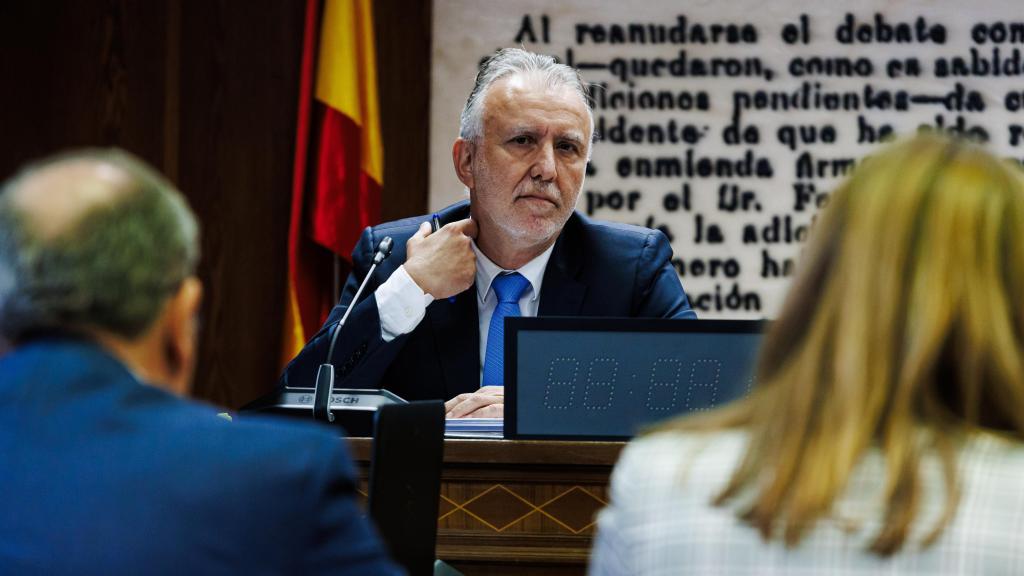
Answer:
(487, 402)
(442, 264)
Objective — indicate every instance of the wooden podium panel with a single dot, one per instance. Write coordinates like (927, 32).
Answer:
(517, 507)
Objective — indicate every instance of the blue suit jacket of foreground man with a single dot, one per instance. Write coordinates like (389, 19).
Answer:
(102, 475)
(596, 269)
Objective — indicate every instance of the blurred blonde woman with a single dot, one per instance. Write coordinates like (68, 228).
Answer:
(885, 434)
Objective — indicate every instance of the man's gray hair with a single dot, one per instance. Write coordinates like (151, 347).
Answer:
(509, 61)
(113, 269)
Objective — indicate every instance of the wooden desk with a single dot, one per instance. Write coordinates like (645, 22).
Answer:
(517, 507)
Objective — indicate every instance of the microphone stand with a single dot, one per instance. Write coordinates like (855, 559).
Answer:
(324, 389)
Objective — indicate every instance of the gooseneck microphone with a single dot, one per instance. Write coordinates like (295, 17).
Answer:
(325, 375)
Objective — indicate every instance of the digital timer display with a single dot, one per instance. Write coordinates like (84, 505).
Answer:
(607, 378)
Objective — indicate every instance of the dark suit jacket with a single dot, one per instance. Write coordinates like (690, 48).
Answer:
(596, 269)
(100, 474)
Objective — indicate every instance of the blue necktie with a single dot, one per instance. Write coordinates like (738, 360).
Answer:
(509, 289)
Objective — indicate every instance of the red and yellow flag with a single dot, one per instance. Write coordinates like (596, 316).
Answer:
(338, 160)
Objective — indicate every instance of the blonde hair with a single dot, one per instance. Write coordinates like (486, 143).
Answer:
(904, 322)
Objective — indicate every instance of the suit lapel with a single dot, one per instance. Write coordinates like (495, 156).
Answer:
(456, 329)
(456, 326)
(562, 293)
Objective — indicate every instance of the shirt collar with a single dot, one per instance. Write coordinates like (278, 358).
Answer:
(486, 271)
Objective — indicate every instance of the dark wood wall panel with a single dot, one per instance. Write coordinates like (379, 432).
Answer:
(403, 56)
(207, 92)
(80, 74)
(239, 87)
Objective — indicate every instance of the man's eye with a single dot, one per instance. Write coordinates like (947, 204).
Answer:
(568, 147)
(521, 140)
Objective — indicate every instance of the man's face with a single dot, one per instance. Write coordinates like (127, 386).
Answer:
(527, 167)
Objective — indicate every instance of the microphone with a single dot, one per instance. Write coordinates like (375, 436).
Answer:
(325, 375)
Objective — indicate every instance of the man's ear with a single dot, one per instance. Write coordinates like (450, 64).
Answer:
(462, 157)
(182, 335)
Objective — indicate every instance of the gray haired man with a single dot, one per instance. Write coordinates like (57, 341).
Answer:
(431, 324)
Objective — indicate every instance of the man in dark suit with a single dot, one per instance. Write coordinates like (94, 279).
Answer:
(105, 468)
(517, 248)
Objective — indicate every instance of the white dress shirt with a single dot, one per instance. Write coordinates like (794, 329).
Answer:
(487, 300)
(401, 304)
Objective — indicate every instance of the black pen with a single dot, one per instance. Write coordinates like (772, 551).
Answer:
(435, 225)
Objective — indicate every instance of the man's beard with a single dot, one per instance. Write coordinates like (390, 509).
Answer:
(540, 227)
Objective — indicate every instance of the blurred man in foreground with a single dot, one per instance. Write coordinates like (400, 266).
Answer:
(106, 470)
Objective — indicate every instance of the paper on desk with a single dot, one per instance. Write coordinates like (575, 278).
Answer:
(474, 427)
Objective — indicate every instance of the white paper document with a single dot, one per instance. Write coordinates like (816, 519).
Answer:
(474, 427)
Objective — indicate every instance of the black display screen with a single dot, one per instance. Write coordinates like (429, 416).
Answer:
(605, 378)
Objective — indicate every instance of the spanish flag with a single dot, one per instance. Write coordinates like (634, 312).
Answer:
(338, 161)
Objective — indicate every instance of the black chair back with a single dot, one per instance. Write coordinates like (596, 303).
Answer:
(405, 480)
